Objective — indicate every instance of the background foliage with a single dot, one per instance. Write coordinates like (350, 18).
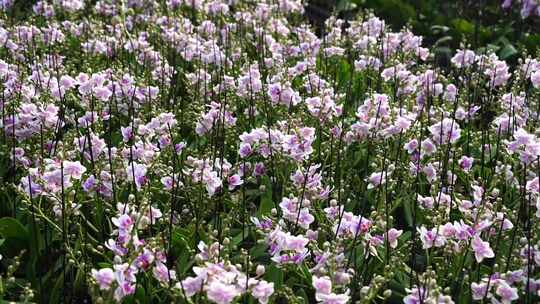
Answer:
(445, 25)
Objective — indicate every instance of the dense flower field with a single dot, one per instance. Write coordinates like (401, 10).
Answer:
(196, 151)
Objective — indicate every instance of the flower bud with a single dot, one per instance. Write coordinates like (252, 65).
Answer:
(260, 270)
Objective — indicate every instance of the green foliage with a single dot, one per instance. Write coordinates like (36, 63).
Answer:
(446, 24)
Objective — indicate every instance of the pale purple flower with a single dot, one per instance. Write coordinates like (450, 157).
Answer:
(191, 285)
(74, 169)
(478, 290)
(296, 243)
(245, 150)
(466, 163)
(535, 79)
(137, 172)
(305, 218)
(533, 185)
(428, 147)
(89, 183)
(506, 292)
(463, 231)
(447, 230)
(145, 259)
(426, 202)
(104, 277)
(411, 146)
(124, 222)
(450, 93)
(124, 289)
(102, 93)
(220, 293)
(211, 181)
(515, 276)
(67, 81)
(116, 247)
(393, 235)
(506, 4)
(151, 214)
(262, 291)
(376, 179)
(162, 273)
(322, 284)
(167, 182)
(444, 132)
(431, 238)
(333, 298)
(463, 58)
(537, 208)
(415, 296)
(125, 273)
(497, 70)
(481, 249)
(127, 133)
(179, 147)
(234, 181)
(430, 172)
(259, 170)
(290, 207)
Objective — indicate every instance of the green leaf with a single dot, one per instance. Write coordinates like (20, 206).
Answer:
(301, 292)
(443, 40)
(463, 26)
(305, 273)
(397, 287)
(12, 228)
(267, 204)
(104, 265)
(56, 291)
(179, 241)
(140, 295)
(78, 285)
(181, 249)
(439, 29)
(532, 41)
(344, 5)
(407, 212)
(259, 251)
(237, 239)
(275, 275)
(507, 51)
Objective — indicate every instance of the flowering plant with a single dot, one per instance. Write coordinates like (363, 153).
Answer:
(208, 151)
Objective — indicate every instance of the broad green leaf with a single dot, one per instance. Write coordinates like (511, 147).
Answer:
(258, 251)
(463, 26)
(275, 275)
(140, 295)
(12, 228)
(507, 51)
